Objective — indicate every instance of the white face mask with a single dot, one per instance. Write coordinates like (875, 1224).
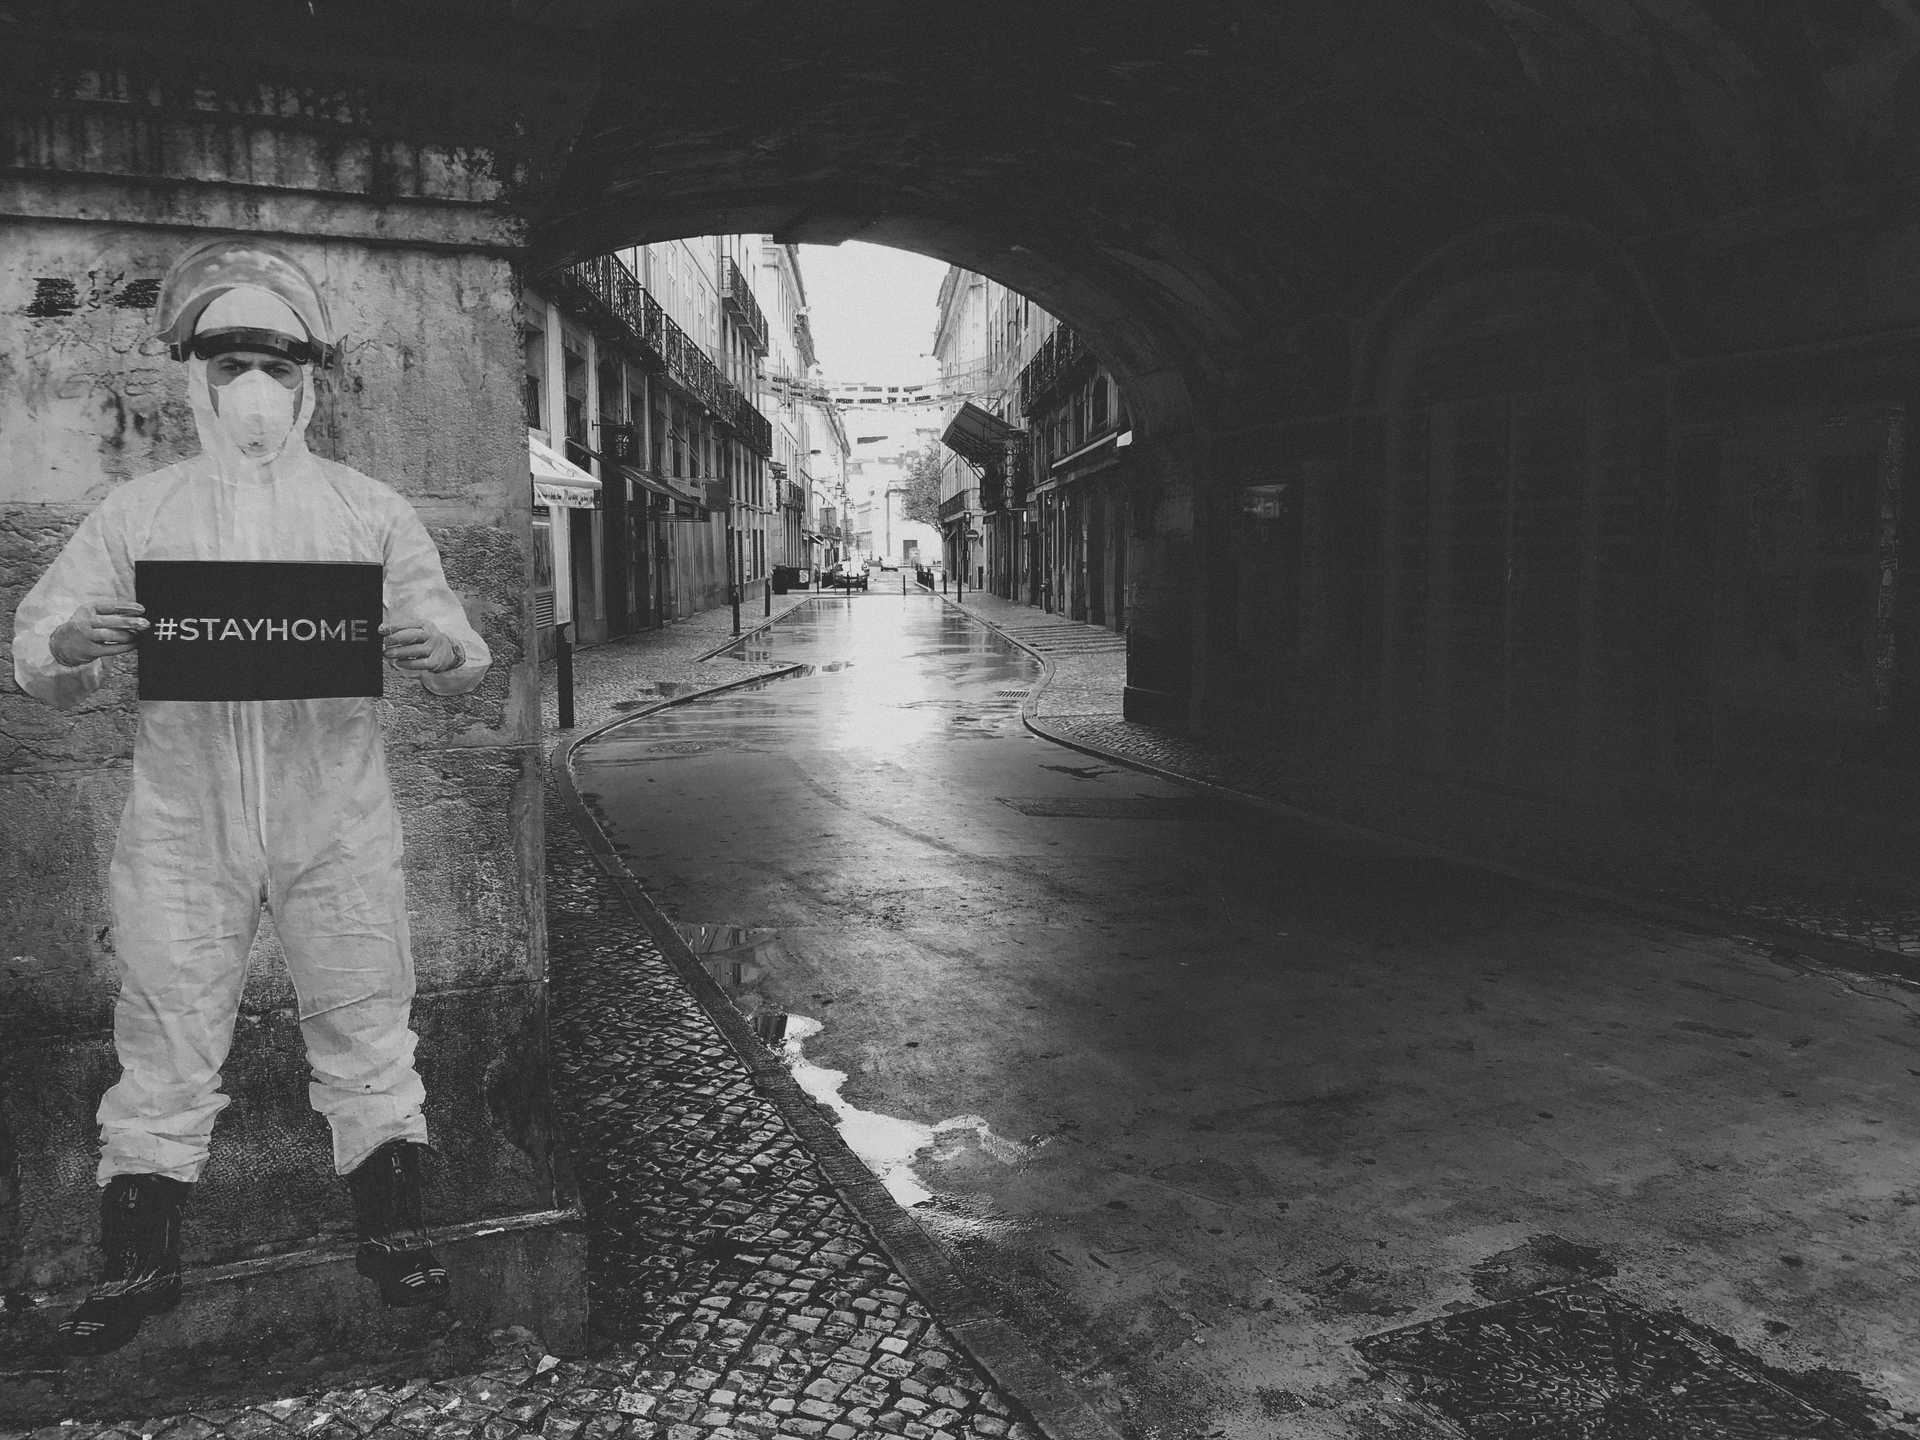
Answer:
(257, 413)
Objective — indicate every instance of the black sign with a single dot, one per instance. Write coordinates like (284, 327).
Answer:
(258, 630)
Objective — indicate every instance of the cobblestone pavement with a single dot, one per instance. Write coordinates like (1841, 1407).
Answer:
(735, 1294)
(1080, 706)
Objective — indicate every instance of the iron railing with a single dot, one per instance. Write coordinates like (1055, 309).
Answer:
(740, 415)
(619, 307)
(736, 297)
(1061, 359)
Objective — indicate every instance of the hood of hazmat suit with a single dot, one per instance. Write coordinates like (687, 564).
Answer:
(213, 267)
(236, 804)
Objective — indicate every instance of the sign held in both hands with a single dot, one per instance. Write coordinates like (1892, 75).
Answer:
(258, 630)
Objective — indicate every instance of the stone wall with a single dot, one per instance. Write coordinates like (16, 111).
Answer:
(394, 185)
(1581, 574)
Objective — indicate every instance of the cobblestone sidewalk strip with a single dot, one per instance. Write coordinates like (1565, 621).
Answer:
(639, 672)
(744, 1296)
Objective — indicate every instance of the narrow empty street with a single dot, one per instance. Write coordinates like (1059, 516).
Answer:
(1227, 1113)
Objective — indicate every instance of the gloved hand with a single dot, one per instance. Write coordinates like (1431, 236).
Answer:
(422, 647)
(96, 629)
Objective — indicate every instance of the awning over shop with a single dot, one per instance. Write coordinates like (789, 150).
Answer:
(557, 481)
(644, 481)
(689, 496)
(1095, 456)
(974, 434)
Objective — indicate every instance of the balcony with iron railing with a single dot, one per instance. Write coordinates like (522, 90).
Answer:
(616, 304)
(736, 299)
(740, 415)
(803, 341)
(613, 301)
(1061, 359)
(956, 505)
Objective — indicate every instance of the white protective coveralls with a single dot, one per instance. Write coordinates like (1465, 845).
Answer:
(234, 805)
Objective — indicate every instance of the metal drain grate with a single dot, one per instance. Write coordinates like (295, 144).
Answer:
(1583, 1362)
(1010, 694)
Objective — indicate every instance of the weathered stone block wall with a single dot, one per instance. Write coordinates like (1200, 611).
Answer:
(426, 400)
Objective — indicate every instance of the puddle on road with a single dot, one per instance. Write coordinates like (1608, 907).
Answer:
(739, 959)
(887, 1145)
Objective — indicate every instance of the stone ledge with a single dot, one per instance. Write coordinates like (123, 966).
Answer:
(258, 1328)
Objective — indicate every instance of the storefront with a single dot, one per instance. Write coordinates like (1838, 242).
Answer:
(565, 539)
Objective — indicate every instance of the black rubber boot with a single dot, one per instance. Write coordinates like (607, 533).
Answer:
(140, 1233)
(394, 1250)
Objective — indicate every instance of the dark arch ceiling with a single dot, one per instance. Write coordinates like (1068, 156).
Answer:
(1189, 181)
(1210, 189)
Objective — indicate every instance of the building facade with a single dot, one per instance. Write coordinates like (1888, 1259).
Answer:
(1066, 516)
(657, 483)
(877, 486)
(1033, 505)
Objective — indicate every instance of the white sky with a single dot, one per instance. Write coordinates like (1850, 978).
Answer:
(872, 312)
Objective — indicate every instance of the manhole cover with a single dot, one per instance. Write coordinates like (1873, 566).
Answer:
(1131, 807)
(1584, 1363)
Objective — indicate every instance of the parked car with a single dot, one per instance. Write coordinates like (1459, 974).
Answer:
(847, 576)
(887, 562)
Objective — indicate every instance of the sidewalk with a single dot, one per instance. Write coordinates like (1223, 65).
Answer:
(633, 674)
(1078, 703)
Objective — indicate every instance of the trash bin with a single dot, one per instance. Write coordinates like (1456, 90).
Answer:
(784, 578)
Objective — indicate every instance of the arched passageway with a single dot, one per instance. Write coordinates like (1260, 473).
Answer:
(1522, 396)
(1455, 338)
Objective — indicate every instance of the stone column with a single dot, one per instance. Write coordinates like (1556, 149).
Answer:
(400, 186)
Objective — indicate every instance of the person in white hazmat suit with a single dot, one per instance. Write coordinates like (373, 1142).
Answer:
(238, 806)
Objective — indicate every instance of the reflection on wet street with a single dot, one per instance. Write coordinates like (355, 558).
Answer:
(890, 682)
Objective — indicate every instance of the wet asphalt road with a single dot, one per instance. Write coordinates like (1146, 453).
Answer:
(1206, 1098)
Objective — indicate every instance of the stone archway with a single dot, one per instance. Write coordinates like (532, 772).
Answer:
(1214, 194)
